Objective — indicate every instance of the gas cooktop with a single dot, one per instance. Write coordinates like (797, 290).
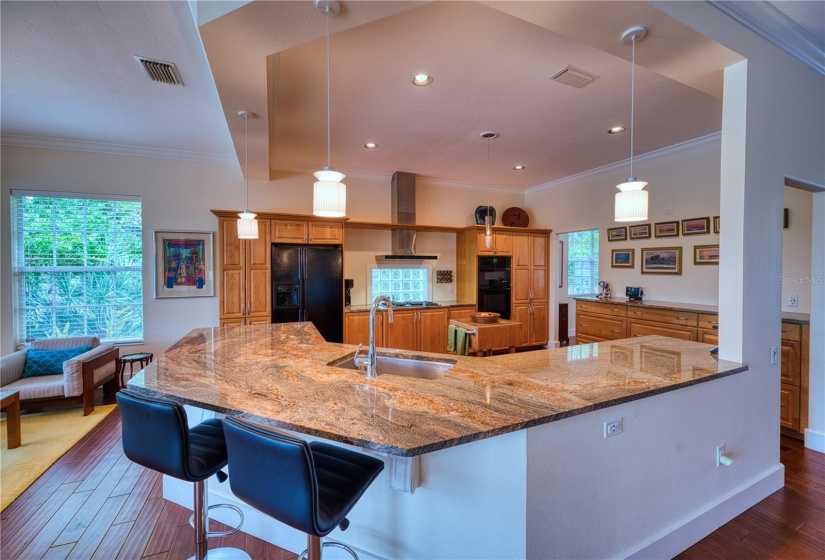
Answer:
(414, 304)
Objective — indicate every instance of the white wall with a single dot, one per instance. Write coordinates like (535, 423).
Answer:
(796, 250)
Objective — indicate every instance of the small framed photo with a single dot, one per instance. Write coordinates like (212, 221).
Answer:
(662, 260)
(706, 254)
(623, 258)
(183, 264)
(641, 231)
(716, 224)
(617, 234)
(666, 229)
(696, 226)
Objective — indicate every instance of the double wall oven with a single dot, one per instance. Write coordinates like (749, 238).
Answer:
(494, 285)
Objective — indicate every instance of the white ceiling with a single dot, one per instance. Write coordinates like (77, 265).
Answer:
(68, 73)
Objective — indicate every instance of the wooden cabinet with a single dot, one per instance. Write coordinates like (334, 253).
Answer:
(600, 326)
(643, 328)
(462, 313)
(420, 330)
(502, 243)
(529, 279)
(793, 413)
(244, 268)
(534, 330)
(307, 231)
(789, 413)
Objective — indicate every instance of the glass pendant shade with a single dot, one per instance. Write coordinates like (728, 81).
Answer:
(329, 195)
(247, 226)
(488, 230)
(631, 202)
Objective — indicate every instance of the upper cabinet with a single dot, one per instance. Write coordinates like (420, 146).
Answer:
(307, 231)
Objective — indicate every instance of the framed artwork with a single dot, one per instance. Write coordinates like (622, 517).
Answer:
(623, 258)
(696, 226)
(706, 254)
(666, 229)
(617, 234)
(183, 264)
(641, 231)
(662, 260)
(716, 224)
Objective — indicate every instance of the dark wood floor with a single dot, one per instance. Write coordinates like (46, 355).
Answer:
(95, 503)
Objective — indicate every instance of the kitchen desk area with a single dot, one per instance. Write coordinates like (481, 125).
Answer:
(505, 450)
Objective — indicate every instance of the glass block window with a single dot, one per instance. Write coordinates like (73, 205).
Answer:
(77, 266)
(583, 262)
(401, 284)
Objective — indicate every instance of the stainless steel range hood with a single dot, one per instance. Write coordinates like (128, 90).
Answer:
(403, 212)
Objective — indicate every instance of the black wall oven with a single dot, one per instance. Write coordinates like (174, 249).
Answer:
(494, 285)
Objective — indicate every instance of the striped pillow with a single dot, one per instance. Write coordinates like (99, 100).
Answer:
(49, 362)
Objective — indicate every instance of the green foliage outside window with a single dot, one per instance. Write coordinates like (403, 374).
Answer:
(583, 262)
(77, 267)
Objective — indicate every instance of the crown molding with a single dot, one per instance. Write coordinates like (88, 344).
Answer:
(119, 149)
(700, 142)
(771, 24)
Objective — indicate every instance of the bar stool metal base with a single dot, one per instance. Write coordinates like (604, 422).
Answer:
(225, 553)
(314, 551)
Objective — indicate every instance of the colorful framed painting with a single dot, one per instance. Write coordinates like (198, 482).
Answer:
(623, 258)
(617, 234)
(666, 229)
(696, 226)
(716, 224)
(183, 264)
(641, 231)
(706, 254)
(662, 260)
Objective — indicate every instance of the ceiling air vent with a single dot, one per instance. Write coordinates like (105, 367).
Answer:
(572, 76)
(160, 71)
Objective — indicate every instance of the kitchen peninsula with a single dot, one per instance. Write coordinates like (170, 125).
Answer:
(510, 446)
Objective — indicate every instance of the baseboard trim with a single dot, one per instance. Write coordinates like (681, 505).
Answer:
(815, 440)
(705, 522)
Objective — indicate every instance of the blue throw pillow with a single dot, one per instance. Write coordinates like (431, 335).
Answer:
(49, 362)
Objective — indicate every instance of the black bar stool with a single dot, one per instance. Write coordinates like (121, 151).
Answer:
(156, 435)
(308, 486)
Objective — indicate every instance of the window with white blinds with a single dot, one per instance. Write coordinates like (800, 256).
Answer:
(583, 262)
(77, 266)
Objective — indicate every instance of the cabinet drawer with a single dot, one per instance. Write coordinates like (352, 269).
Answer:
(708, 337)
(708, 321)
(791, 332)
(664, 316)
(601, 308)
(587, 339)
(789, 406)
(673, 331)
(791, 353)
(607, 328)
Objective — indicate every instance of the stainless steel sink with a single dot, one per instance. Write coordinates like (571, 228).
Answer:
(407, 367)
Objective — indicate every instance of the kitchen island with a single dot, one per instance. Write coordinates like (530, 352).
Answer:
(509, 447)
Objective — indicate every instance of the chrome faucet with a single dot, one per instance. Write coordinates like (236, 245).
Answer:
(370, 362)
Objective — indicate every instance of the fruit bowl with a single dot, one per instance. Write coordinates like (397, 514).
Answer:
(484, 317)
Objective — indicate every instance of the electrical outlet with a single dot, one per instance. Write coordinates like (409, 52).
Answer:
(774, 355)
(668, 211)
(793, 301)
(613, 428)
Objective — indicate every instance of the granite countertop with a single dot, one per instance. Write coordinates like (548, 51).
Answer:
(362, 308)
(278, 375)
(787, 317)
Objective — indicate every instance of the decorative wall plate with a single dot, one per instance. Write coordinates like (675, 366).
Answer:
(515, 217)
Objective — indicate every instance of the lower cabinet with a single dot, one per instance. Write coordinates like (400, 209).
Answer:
(421, 330)
(462, 314)
(357, 328)
(534, 325)
(640, 328)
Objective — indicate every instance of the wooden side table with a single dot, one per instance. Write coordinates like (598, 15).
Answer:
(143, 359)
(10, 402)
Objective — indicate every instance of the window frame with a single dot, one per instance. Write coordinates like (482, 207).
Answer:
(593, 259)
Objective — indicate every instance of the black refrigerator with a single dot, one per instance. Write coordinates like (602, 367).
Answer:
(308, 285)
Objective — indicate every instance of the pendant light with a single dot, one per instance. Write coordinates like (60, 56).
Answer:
(329, 194)
(488, 219)
(631, 202)
(247, 224)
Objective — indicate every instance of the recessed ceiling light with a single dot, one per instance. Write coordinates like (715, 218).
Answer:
(519, 167)
(370, 145)
(422, 80)
(616, 130)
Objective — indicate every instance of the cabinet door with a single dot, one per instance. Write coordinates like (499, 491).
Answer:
(481, 248)
(709, 337)
(232, 294)
(520, 285)
(322, 232)
(791, 352)
(673, 331)
(258, 274)
(521, 314)
(462, 314)
(503, 243)
(789, 406)
(289, 231)
(538, 284)
(400, 334)
(539, 249)
(432, 324)
(539, 326)
(522, 247)
(357, 329)
(600, 326)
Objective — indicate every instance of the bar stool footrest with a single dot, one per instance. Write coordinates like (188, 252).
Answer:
(213, 534)
(333, 544)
